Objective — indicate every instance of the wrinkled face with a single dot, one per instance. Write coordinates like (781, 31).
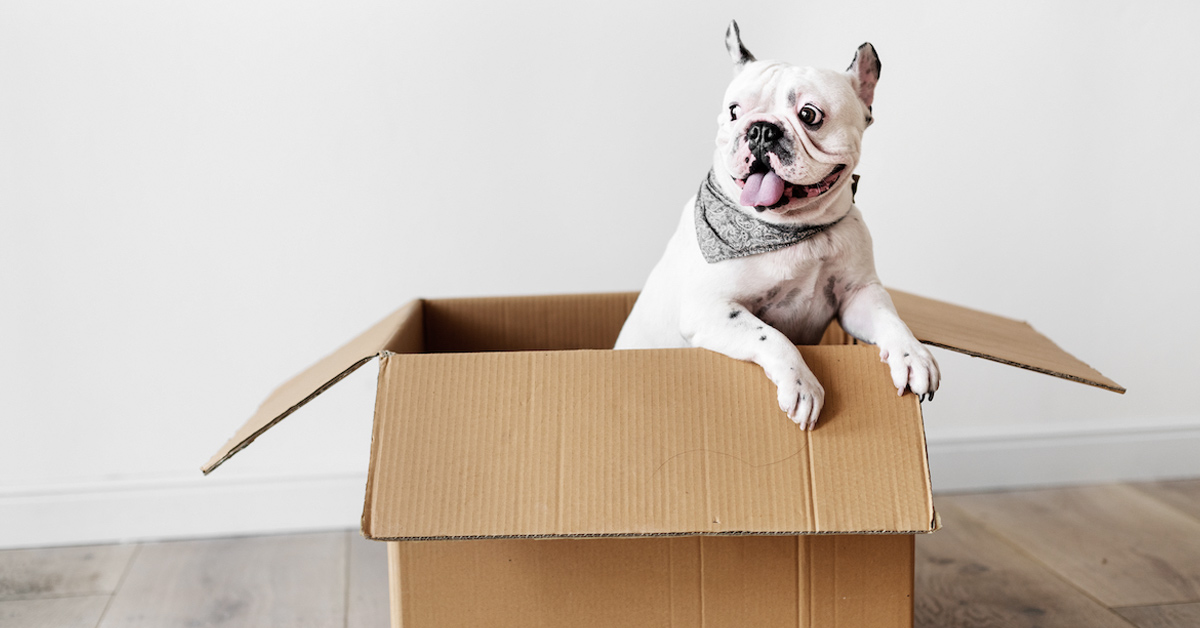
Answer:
(789, 136)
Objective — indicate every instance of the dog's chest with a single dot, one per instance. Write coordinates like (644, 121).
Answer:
(795, 290)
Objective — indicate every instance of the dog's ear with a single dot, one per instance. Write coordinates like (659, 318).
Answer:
(737, 51)
(865, 70)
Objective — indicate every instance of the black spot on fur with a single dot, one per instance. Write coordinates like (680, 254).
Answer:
(773, 292)
(746, 56)
(762, 337)
(830, 294)
(734, 313)
(733, 34)
(785, 153)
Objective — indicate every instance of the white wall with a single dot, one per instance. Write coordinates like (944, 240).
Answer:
(199, 199)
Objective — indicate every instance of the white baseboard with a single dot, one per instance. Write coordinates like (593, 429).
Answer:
(1028, 457)
(178, 508)
(961, 460)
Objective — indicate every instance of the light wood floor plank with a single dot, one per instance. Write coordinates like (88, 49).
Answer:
(967, 577)
(1135, 548)
(1173, 616)
(1184, 495)
(63, 612)
(1120, 545)
(368, 599)
(278, 581)
(62, 571)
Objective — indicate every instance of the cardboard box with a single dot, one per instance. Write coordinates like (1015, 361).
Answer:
(524, 474)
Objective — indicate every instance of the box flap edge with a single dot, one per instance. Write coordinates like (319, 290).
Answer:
(400, 331)
(997, 338)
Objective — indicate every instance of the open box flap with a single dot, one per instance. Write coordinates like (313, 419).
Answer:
(399, 332)
(580, 321)
(638, 443)
(992, 337)
(592, 321)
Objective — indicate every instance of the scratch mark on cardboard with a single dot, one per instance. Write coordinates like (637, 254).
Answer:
(728, 455)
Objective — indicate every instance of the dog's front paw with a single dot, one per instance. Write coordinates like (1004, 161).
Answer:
(801, 396)
(913, 368)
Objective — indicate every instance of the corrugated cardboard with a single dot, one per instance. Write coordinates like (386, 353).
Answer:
(812, 581)
(996, 338)
(526, 475)
(637, 443)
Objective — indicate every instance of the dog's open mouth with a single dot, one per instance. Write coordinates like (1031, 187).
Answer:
(767, 190)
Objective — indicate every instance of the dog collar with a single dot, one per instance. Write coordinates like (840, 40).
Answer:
(726, 232)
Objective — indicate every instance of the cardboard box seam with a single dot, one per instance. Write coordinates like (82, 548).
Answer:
(650, 535)
(365, 518)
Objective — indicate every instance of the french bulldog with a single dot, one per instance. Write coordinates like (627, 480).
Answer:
(772, 248)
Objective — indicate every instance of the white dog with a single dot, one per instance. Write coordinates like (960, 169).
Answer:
(772, 248)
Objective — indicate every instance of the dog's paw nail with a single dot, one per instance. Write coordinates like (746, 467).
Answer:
(931, 395)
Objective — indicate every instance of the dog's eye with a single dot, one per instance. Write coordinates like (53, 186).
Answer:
(811, 116)
(733, 111)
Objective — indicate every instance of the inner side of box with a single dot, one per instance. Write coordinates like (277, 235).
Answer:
(549, 323)
(593, 322)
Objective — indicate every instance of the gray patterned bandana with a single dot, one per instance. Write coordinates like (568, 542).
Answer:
(726, 232)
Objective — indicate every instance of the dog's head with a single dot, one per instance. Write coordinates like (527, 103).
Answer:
(789, 136)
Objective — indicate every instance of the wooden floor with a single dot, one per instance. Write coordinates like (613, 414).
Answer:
(1086, 557)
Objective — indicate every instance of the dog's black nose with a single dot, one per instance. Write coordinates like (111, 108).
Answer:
(762, 133)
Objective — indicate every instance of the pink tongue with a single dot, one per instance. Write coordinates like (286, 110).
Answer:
(762, 190)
